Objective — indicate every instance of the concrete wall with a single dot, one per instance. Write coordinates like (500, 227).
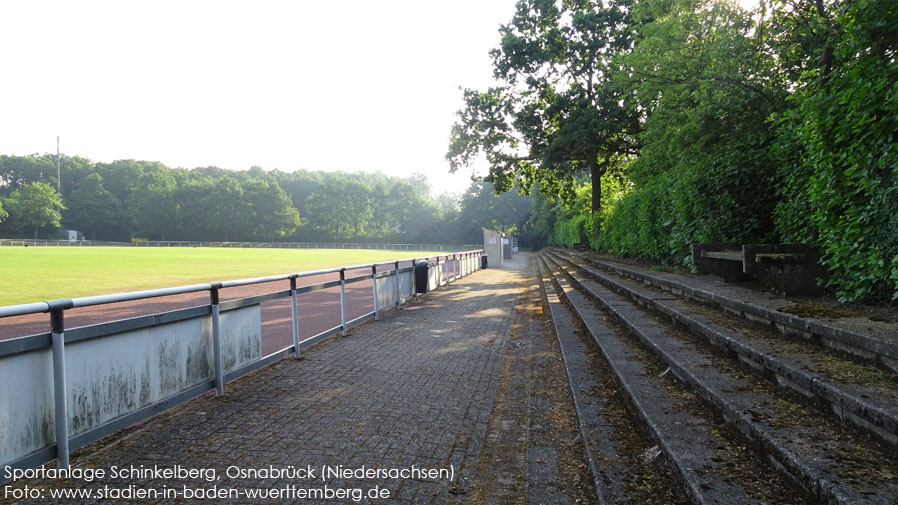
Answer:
(386, 289)
(108, 377)
(433, 277)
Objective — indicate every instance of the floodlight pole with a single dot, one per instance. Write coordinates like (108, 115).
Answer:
(58, 174)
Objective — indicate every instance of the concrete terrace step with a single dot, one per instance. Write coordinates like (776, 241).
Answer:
(833, 464)
(613, 448)
(873, 341)
(872, 407)
(589, 418)
(694, 449)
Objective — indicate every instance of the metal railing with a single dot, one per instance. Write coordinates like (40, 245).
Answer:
(444, 269)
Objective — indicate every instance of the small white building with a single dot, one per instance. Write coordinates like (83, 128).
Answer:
(493, 244)
(72, 235)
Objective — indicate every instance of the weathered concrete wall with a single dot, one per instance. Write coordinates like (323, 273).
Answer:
(407, 284)
(433, 276)
(26, 404)
(108, 377)
(386, 289)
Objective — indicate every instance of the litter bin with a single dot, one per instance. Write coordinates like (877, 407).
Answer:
(484, 263)
(421, 277)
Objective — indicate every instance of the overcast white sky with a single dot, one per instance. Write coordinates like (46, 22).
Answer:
(352, 85)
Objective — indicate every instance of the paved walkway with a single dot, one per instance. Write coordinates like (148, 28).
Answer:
(412, 391)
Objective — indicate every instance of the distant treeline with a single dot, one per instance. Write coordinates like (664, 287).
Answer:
(125, 199)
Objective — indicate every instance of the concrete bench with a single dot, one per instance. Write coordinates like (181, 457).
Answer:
(793, 268)
(723, 259)
(723, 255)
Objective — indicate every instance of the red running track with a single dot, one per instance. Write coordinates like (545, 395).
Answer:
(318, 310)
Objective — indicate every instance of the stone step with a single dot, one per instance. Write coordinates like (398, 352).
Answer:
(699, 453)
(832, 463)
(870, 340)
(813, 371)
(614, 449)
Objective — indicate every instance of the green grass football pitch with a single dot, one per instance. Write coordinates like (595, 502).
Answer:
(35, 274)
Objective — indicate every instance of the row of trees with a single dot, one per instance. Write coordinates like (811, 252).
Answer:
(660, 123)
(125, 199)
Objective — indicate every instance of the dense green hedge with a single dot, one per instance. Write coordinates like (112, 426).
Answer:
(784, 130)
(839, 146)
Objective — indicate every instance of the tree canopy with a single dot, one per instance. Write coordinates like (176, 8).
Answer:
(35, 205)
(556, 114)
(698, 121)
(128, 198)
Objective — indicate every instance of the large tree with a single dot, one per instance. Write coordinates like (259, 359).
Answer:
(18, 171)
(270, 213)
(227, 211)
(93, 209)
(481, 207)
(705, 83)
(411, 215)
(35, 205)
(151, 204)
(555, 114)
(340, 207)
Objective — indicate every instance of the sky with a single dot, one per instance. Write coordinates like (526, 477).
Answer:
(351, 85)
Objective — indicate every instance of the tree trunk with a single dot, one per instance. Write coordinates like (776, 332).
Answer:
(36, 227)
(596, 173)
(826, 59)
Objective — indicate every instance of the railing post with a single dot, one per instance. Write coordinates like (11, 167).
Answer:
(396, 285)
(414, 279)
(216, 339)
(57, 335)
(343, 300)
(294, 313)
(374, 284)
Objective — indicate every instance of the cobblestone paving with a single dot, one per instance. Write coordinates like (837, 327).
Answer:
(413, 389)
